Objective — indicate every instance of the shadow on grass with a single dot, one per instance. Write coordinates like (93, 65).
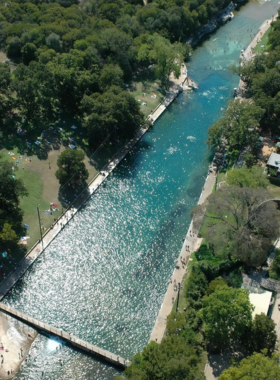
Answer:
(69, 195)
(9, 263)
(50, 135)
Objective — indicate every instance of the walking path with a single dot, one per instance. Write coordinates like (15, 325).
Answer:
(191, 244)
(248, 54)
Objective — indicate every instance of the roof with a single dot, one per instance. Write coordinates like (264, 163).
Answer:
(260, 301)
(274, 160)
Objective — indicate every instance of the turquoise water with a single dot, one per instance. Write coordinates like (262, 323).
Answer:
(104, 277)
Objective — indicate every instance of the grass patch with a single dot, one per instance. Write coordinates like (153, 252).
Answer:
(205, 253)
(39, 177)
(146, 90)
(274, 190)
(222, 176)
(263, 45)
(182, 298)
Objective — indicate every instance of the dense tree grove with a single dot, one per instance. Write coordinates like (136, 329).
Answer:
(259, 112)
(71, 55)
(262, 76)
(11, 189)
(238, 128)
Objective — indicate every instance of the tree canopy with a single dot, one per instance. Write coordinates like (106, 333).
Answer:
(226, 314)
(262, 78)
(261, 335)
(257, 367)
(238, 222)
(66, 52)
(237, 128)
(245, 177)
(71, 166)
(115, 111)
(11, 189)
(172, 359)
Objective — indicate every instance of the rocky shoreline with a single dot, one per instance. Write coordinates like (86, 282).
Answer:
(221, 18)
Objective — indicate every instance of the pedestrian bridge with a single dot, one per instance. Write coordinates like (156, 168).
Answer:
(72, 340)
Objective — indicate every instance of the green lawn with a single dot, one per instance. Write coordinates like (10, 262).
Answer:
(263, 44)
(146, 90)
(222, 176)
(274, 190)
(182, 298)
(39, 176)
(206, 254)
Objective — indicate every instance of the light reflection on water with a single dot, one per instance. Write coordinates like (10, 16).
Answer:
(104, 277)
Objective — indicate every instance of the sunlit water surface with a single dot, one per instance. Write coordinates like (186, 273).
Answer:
(104, 277)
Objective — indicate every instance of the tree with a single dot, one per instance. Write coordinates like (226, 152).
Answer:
(6, 96)
(244, 177)
(249, 159)
(28, 53)
(213, 285)
(240, 223)
(167, 57)
(11, 189)
(226, 314)
(114, 112)
(196, 287)
(71, 166)
(36, 92)
(8, 237)
(261, 335)
(54, 42)
(238, 127)
(111, 75)
(14, 48)
(257, 367)
(274, 271)
(172, 359)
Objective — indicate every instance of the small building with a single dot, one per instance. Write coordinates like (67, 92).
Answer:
(274, 162)
(261, 300)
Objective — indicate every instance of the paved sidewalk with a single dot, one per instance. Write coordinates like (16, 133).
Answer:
(193, 242)
(248, 54)
(174, 91)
